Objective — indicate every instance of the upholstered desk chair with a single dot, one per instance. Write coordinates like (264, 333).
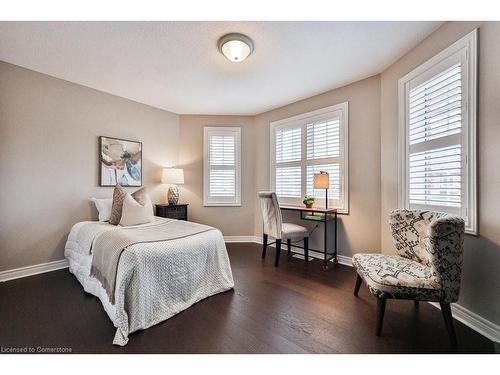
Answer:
(427, 268)
(274, 227)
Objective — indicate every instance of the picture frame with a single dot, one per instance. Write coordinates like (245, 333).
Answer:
(120, 162)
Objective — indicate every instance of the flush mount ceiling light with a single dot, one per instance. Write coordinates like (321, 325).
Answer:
(236, 47)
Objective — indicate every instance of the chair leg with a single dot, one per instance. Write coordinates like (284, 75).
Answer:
(289, 247)
(264, 245)
(278, 251)
(380, 314)
(359, 280)
(306, 249)
(416, 303)
(448, 319)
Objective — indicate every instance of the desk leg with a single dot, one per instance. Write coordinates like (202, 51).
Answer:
(306, 249)
(336, 240)
(325, 245)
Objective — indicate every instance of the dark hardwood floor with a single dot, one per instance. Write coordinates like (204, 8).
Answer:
(295, 308)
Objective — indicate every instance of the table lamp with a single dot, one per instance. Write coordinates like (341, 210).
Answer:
(322, 181)
(173, 177)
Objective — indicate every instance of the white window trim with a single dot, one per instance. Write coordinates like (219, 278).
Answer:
(469, 44)
(210, 202)
(314, 116)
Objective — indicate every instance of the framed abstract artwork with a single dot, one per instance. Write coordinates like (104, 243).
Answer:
(120, 162)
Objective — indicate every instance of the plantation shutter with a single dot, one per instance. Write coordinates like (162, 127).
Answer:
(323, 139)
(288, 145)
(323, 151)
(288, 177)
(222, 166)
(435, 165)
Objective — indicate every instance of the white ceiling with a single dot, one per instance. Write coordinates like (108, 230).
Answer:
(176, 65)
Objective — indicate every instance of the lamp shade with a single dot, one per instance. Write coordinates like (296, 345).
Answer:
(321, 180)
(172, 176)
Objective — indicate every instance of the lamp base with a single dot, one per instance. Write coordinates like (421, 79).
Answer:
(326, 199)
(173, 195)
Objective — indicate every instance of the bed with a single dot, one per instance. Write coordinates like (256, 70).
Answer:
(154, 279)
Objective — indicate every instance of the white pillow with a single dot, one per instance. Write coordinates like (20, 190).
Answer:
(134, 213)
(103, 207)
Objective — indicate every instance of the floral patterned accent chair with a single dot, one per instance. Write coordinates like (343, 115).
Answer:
(427, 266)
(274, 227)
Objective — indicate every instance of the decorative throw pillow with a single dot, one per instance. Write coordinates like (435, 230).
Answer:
(135, 213)
(119, 195)
(103, 206)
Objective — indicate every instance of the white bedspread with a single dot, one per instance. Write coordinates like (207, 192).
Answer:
(156, 280)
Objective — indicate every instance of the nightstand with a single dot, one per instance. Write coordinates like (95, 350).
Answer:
(172, 211)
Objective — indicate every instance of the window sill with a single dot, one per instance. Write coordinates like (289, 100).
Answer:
(221, 204)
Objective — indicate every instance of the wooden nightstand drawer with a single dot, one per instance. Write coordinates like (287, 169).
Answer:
(172, 211)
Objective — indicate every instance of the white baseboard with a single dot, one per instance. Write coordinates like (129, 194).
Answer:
(231, 239)
(346, 261)
(33, 270)
(474, 321)
(257, 239)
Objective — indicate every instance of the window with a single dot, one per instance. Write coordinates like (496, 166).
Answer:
(438, 133)
(222, 166)
(307, 144)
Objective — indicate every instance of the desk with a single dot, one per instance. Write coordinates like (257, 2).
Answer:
(321, 215)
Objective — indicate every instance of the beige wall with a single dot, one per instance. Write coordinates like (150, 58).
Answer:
(360, 230)
(232, 221)
(481, 278)
(49, 132)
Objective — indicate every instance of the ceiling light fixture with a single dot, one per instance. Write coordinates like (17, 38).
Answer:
(236, 47)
